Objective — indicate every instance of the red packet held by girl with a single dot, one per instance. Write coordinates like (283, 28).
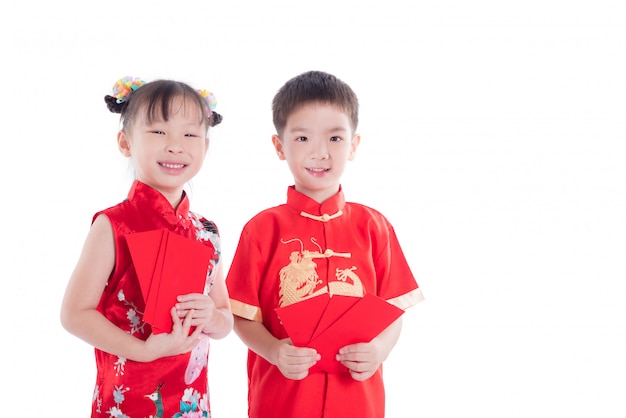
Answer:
(328, 323)
(167, 265)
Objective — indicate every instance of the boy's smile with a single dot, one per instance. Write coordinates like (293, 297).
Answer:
(317, 142)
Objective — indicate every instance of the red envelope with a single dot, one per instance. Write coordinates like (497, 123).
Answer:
(167, 265)
(301, 319)
(328, 323)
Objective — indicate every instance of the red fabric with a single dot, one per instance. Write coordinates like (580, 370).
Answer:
(284, 257)
(123, 386)
(167, 265)
(341, 320)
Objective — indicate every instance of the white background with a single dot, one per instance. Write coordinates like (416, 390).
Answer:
(492, 138)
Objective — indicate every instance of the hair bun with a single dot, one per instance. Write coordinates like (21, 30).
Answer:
(113, 105)
(215, 119)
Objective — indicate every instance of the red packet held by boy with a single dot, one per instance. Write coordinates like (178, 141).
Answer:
(332, 322)
(167, 265)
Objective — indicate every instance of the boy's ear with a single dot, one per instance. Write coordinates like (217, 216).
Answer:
(356, 140)
(123, 144)
(278, 145)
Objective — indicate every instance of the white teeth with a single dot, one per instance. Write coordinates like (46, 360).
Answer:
(317, 170)
(166, 165)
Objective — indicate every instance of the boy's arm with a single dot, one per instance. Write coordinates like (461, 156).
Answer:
(363, 359)
(293, 362)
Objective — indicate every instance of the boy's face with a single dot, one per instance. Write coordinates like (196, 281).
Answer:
(317, 142)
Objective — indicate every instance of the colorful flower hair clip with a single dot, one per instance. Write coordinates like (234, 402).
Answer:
(124, 87)
(209, 98)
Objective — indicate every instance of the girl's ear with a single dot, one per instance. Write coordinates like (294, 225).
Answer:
(278, 145)
(123, 144)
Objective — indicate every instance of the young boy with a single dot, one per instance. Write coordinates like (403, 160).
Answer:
(316, 243)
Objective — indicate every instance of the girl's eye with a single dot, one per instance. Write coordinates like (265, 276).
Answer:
(158, 132)
(335, 138)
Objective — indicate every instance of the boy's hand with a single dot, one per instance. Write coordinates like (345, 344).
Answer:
(362, 359)
(294, 362)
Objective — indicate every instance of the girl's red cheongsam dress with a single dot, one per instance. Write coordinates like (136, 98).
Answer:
(167, 387)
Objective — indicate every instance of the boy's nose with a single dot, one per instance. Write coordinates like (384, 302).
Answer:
(320, 151)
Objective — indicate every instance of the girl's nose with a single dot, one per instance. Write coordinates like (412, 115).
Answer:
(174, 145)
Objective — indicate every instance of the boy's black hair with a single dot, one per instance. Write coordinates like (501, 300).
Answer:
(314, 86)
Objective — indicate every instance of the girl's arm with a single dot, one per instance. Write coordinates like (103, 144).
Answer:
(293, 362)
(222, 322)
(82, 295)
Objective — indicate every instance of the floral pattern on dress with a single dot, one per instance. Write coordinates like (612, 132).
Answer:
(121, 399)
(193, 406)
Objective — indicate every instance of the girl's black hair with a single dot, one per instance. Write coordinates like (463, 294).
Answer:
(157, 97)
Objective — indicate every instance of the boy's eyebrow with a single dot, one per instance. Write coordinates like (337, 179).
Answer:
(331, 130)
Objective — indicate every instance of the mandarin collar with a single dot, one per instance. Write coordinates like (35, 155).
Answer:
(153, 201)
(303, 203)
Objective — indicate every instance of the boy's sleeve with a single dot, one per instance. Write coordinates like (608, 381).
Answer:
(397, 284)
(244, 277)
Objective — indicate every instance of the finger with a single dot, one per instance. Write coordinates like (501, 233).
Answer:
(360, 376)
(296, 372)
(357, 366)
(187, 321)
(294, 351)
(189, 297)
(175, 318)
(197, 332)
(298, 361)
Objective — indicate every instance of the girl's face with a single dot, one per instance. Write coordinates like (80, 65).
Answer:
(317, 142)
(167, 154)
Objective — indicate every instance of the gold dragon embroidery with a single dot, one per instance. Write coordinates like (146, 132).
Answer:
(299, 279)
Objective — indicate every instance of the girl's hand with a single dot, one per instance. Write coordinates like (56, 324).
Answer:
(178, 341)
(201, 308)
(294, 362)
(362, 360)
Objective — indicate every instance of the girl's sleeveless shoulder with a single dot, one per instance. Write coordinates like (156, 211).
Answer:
(114, 213)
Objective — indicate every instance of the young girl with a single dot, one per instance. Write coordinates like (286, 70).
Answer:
(142, 372)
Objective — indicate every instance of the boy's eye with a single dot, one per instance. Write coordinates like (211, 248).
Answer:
(335, 138)
(158, 132)
(302, 139)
